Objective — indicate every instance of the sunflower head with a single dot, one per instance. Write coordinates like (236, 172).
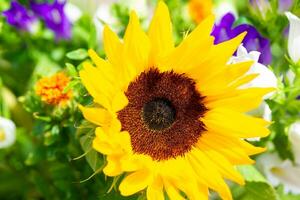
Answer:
(172, 117)
(51, 89)
(163, 106)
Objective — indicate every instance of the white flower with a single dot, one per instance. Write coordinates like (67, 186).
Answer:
(281, 172)
(73, 12)
(294, 136)
(284, 172)
(294, 37)
(7, 132)
(265, 78)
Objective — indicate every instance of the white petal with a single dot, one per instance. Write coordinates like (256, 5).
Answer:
(281, 172)
(294, 37)
(294, 136)
(9, 129)
(290, 76)
(266, 77)
(263, 111)
(267, 114)
(73, 12)
(242, 55)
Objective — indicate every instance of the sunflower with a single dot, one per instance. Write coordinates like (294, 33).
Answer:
(171, 119)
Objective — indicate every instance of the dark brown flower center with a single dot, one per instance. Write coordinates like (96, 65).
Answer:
(163, 114)
(158, 114)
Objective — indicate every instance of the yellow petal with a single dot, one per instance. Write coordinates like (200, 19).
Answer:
(215, 59)
(112, 46)
(234, 123)
(223, 140)
(114, 49)
(103, 147)
(105, 68)
(136, 162)
(135, 182)
(243, 80)
(98, 116)
(250, 149)
(192, 50)
(136, 48)
(102, 143)
(226, 146)
(155, 190)
(119, 102)
(205, 169)
(223, 165)
(221, 81)
(184, 179)
(113, 167)
(251, 98)
(225, 50)
(101, 89)
(160, 34)
(172, 191)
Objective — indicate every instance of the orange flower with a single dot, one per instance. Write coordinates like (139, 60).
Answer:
(50, 89)
(200, 9)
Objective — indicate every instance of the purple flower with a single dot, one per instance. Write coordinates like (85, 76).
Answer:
(262, 5)
(18, 16)
(253, 41)
(284, 5)
(54, 17)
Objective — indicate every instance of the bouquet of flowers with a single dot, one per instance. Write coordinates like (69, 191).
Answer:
(150, 99)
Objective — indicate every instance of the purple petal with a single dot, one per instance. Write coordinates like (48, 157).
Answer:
(222, 31)
(54, 17)
(18, 16)
(253, 41)
(285, 5)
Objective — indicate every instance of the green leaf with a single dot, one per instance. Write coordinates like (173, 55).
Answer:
(70, 86)
(42, 118)
(52, 136)
(256, 186)
(79, 54)
(250, 173)
(71, 69)
(259, 190)
(284, 196)
(94, 159)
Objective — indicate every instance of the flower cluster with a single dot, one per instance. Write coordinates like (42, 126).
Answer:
(51, 13)
(51, 89)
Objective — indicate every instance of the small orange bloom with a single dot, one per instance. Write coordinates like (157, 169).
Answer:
(200, 9)
(50, 89)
